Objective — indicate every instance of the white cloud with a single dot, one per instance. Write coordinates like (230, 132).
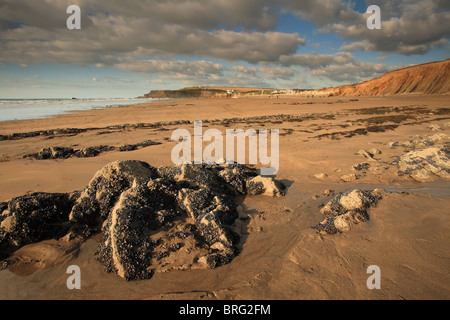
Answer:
(407, 28)
(316, 60)
(352, 72)
(108, 37)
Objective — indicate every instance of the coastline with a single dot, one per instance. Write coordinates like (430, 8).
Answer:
(282, 257)
(29, 109)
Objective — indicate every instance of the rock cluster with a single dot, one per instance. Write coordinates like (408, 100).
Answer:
(347, 209)
(65, 153)
(147, 215)
(427, 159)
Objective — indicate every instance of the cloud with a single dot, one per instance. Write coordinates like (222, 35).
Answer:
(316, 60)
(277, 72)
(408, 27)
(50, 14)
(200, 68)
(219, 14)
(364, 45)
(352, 72)
(105, 36)
(112, 79)
(249, 71)
(322, 12)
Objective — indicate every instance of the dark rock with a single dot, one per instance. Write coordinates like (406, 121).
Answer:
(361, 166)
(211, 212)
(237, 177)
(61, 153)
(136, 146)
(92, 151)
(43, 154)
(64, 153)
(36, 217)
(127, 148)
(3, 207)
(103, 191)
(52, 153)
(126, 248)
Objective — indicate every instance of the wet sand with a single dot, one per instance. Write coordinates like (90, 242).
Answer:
(282, 256)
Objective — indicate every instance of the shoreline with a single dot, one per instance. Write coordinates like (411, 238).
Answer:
(76, 115)
(49, 108)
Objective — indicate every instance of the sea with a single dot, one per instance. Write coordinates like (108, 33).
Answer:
(18, 109)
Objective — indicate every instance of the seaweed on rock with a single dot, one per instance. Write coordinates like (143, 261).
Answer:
(144, 213)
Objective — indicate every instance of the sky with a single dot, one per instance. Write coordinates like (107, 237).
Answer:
(127, 48)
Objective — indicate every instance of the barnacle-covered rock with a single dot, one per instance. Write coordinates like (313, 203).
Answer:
(426, 159)
(265, 186)
(348, 209)
(426, 165)
(237, 176)
(152, 219)
(126, 248)
(103, 191)
(34, 218)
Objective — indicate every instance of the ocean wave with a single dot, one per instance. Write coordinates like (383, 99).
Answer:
(22, 109)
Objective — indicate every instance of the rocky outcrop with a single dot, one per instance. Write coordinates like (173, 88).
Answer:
(151, 218)
(35, 217)
(425, 165)
(65, 153)
(427, 159)
(346, 210)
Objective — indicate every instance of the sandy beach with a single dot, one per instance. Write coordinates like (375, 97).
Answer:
(328, 147)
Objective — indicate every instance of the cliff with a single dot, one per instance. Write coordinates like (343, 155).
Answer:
(430, 78)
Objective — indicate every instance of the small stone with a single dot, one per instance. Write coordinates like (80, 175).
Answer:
(349, 177)
(375, 152)
(393, 145)
(321, 176)
(366, 154)
(435, 128)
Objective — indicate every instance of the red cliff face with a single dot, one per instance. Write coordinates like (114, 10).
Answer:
(431, 78)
